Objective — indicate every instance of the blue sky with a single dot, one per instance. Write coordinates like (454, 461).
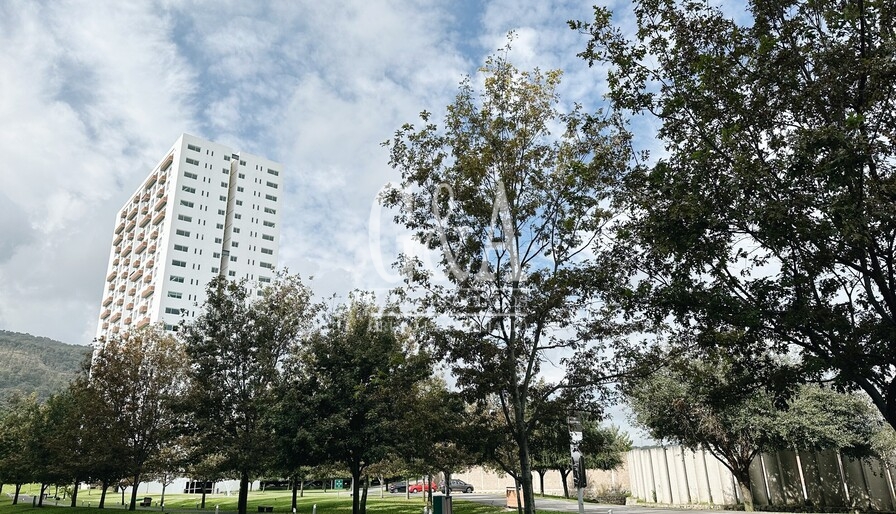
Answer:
(93, 93)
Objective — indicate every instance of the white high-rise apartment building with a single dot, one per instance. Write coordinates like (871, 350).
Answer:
(204, 210)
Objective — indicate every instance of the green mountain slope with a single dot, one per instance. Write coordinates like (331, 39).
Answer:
(31, 364)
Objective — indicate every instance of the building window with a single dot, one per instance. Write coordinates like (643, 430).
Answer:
(188, 189)
(231, 273)
(242, 163)
(175, 278)
(215, 269)
(186, 203)
(222, 198)
(270, 197)
(182, 233)
(219, 226)
(194, 162)
(273, 172)
(175, 294)
(221, 212)
(172, 310)
(264, 280)
(272, 184)
(226, 157)
(267, 237)
(238, 216)
(236, 230)
(269, 224)
(239, 202)
(239, 188)
(267, 251)
(270, 211)
(184, 217)
(181, 248)
(242, 175)
(194, 148)
(178, 263)
(233, 258)
(216, 255)
(218, 240)
(267, 265)
(234, 244)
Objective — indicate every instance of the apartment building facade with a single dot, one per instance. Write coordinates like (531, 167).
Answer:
(204, 210)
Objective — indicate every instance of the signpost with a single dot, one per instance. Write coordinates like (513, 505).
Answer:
(578, 460)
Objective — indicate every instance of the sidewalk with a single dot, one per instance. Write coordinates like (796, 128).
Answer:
(571, 505)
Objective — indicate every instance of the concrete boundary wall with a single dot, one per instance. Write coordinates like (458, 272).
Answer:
(679, 476)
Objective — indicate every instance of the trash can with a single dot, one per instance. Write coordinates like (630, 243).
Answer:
(441, 504)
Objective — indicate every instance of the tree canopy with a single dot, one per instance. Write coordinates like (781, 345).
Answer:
(770, 208)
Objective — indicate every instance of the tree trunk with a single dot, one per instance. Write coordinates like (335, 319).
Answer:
(295, 492)
(135, 485)
(447, 490)
(15, 498)
(40, 497)
(241, 506)
(74, 493)
(525, 470)
(743, 481)
(162, 501)
(564, 476)
(302, 488)
(202, 501)
(541, 473)
(105, 485)
(364, 495)
(356, 487)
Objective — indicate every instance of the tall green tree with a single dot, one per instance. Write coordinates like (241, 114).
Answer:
(19, 417)
(513, 194)
(358, 370)
(141, 374)
(734, 411)
(771, 208)
(237, 347)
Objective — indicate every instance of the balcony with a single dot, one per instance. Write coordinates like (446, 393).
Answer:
(119, 302)
(130, 226)
(115, 317)
(132, 291)
(135, 275)
(105, 325)
(147, 278)
(161, 203)
(127, 321)
(118, 239)
(142, 246)
(119, 228)
(107, 301)
(143, 309)
(152, 248)
(159, 217)
(121, 288)
(147, 291)
(126, 251)
(131, 306)
(166, 163)
(154, 235)
(151, 180)
(111, 276)
(132, 213)
(105, 314)
(163, 178)
(144, 220)
(151, 262)
(143, 322)
(115, 329)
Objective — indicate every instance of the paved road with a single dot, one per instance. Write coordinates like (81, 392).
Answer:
(561, 505)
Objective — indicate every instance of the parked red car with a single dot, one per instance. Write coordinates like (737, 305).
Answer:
(422, 486)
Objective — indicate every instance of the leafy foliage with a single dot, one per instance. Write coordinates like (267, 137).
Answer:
(515, 211)
(771, 210)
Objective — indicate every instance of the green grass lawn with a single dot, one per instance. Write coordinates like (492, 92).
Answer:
(330, 502)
